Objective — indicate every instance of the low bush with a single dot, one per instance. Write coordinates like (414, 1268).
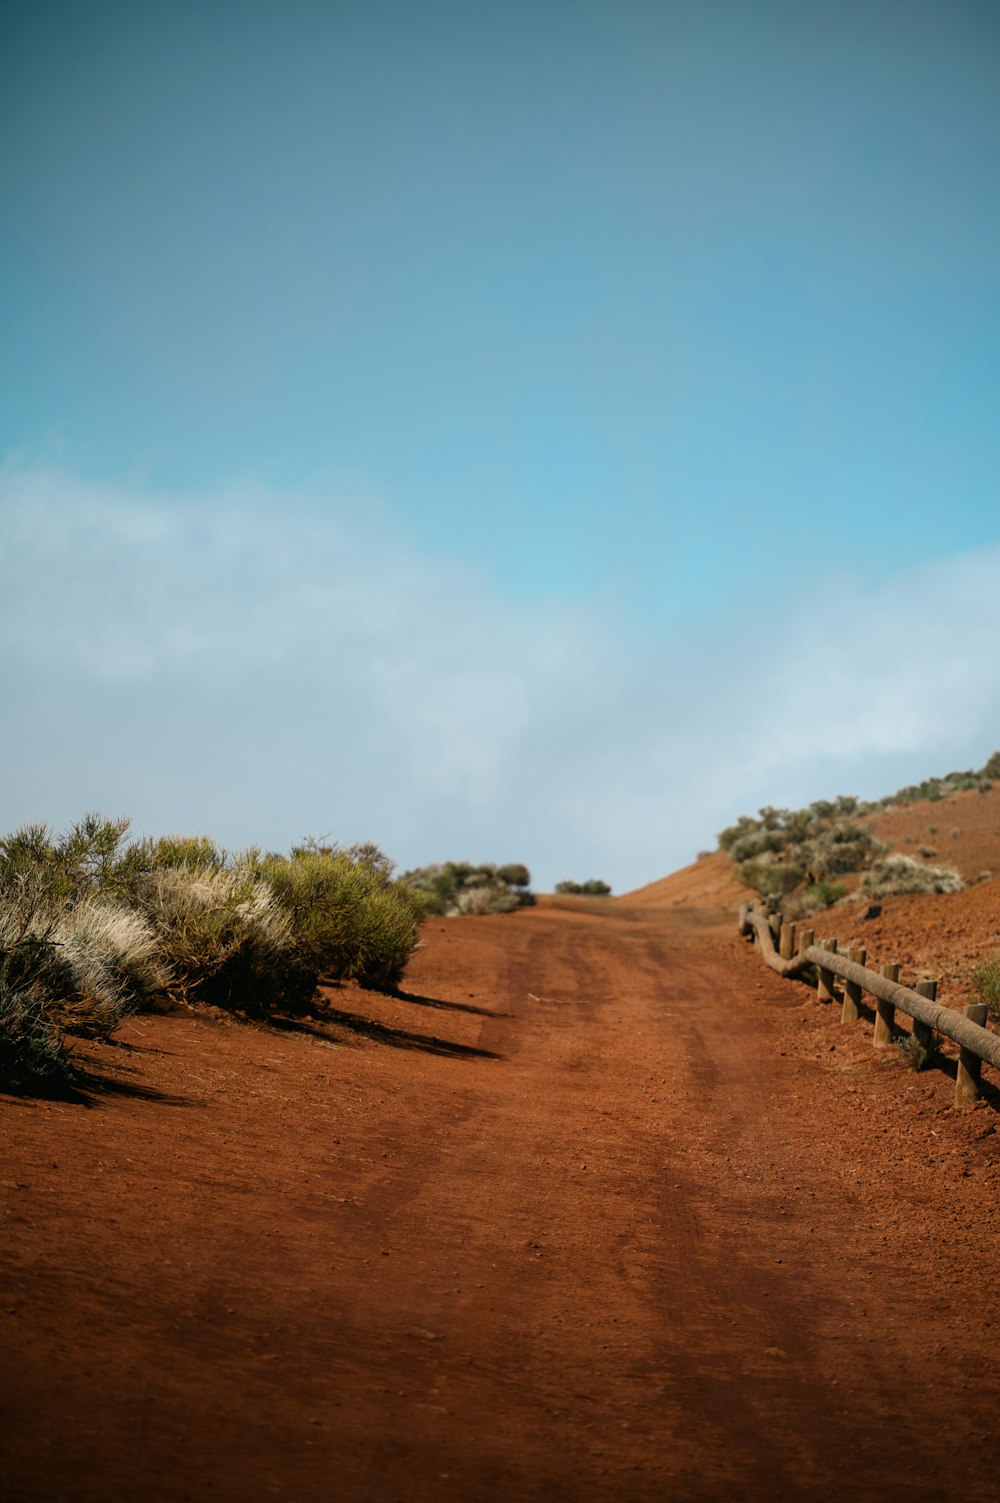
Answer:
(223, 936)
(347, 917)
(451, 888)
(985, 981)
(902, 874)
(94, 926)
(109, 964)
(592, 888)
(917, 1056)
(814, 898)
(33, 1054)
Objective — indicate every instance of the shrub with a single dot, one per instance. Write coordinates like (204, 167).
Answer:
(756, 843)
(985, 981)
(113, 966)
(225, 939)
(814, 898)
(743, 826)
(592, 888)
(347, 917)
(482, 898)
(92, 856)
(902, 874)
(195, 852)
(837, 849)
(917, 1056)
(770, 878)
(926, 851)
(446, 888)
(32, 1052)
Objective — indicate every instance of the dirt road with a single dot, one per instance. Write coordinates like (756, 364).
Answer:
(599, 1210)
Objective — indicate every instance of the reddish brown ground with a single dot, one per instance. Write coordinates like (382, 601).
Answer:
(602, 1210)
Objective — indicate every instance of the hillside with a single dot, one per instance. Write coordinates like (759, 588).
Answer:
(931, 935)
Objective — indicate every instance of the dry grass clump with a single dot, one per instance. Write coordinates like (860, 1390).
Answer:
(902, 874)
(223, 935)
(110, 963)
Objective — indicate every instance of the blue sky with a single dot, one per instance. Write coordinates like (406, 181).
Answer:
(427, 421)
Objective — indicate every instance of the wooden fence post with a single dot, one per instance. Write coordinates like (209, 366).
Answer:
(824, 982)
(923, 1032)
(884, 1011)
(970, 1066)
(786, 948)
(852, 990)
(806, 937)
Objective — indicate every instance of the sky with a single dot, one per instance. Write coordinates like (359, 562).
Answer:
(505, 432)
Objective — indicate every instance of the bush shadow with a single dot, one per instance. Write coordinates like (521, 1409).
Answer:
(421, 1001)
(380, 1033)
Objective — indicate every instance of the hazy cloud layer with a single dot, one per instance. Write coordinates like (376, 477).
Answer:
(263, 666)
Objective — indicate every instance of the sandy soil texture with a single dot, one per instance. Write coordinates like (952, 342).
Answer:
(600, 1209)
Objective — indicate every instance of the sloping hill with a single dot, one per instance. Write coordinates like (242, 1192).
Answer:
(707, 883)
(964, 829)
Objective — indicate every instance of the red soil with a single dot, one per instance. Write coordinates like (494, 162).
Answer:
(601, 1210)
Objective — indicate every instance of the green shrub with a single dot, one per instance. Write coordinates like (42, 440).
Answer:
(917, 1056)
(347, 917)
(447, 888)
(770, 878)
(985, 981)
(756, 843)
(837, 849)
(483, 898)
(814, 898)
(592, 888)
(902, 874)
(743, 826)
(32, 1052)
(196, 852)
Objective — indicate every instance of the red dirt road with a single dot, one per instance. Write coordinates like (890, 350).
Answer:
(602, 1211)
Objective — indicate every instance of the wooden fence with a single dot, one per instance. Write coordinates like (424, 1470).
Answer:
(789, 951)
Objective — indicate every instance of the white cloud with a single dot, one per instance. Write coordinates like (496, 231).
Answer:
(263, 665)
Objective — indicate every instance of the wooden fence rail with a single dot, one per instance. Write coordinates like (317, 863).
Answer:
(976, 1044)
